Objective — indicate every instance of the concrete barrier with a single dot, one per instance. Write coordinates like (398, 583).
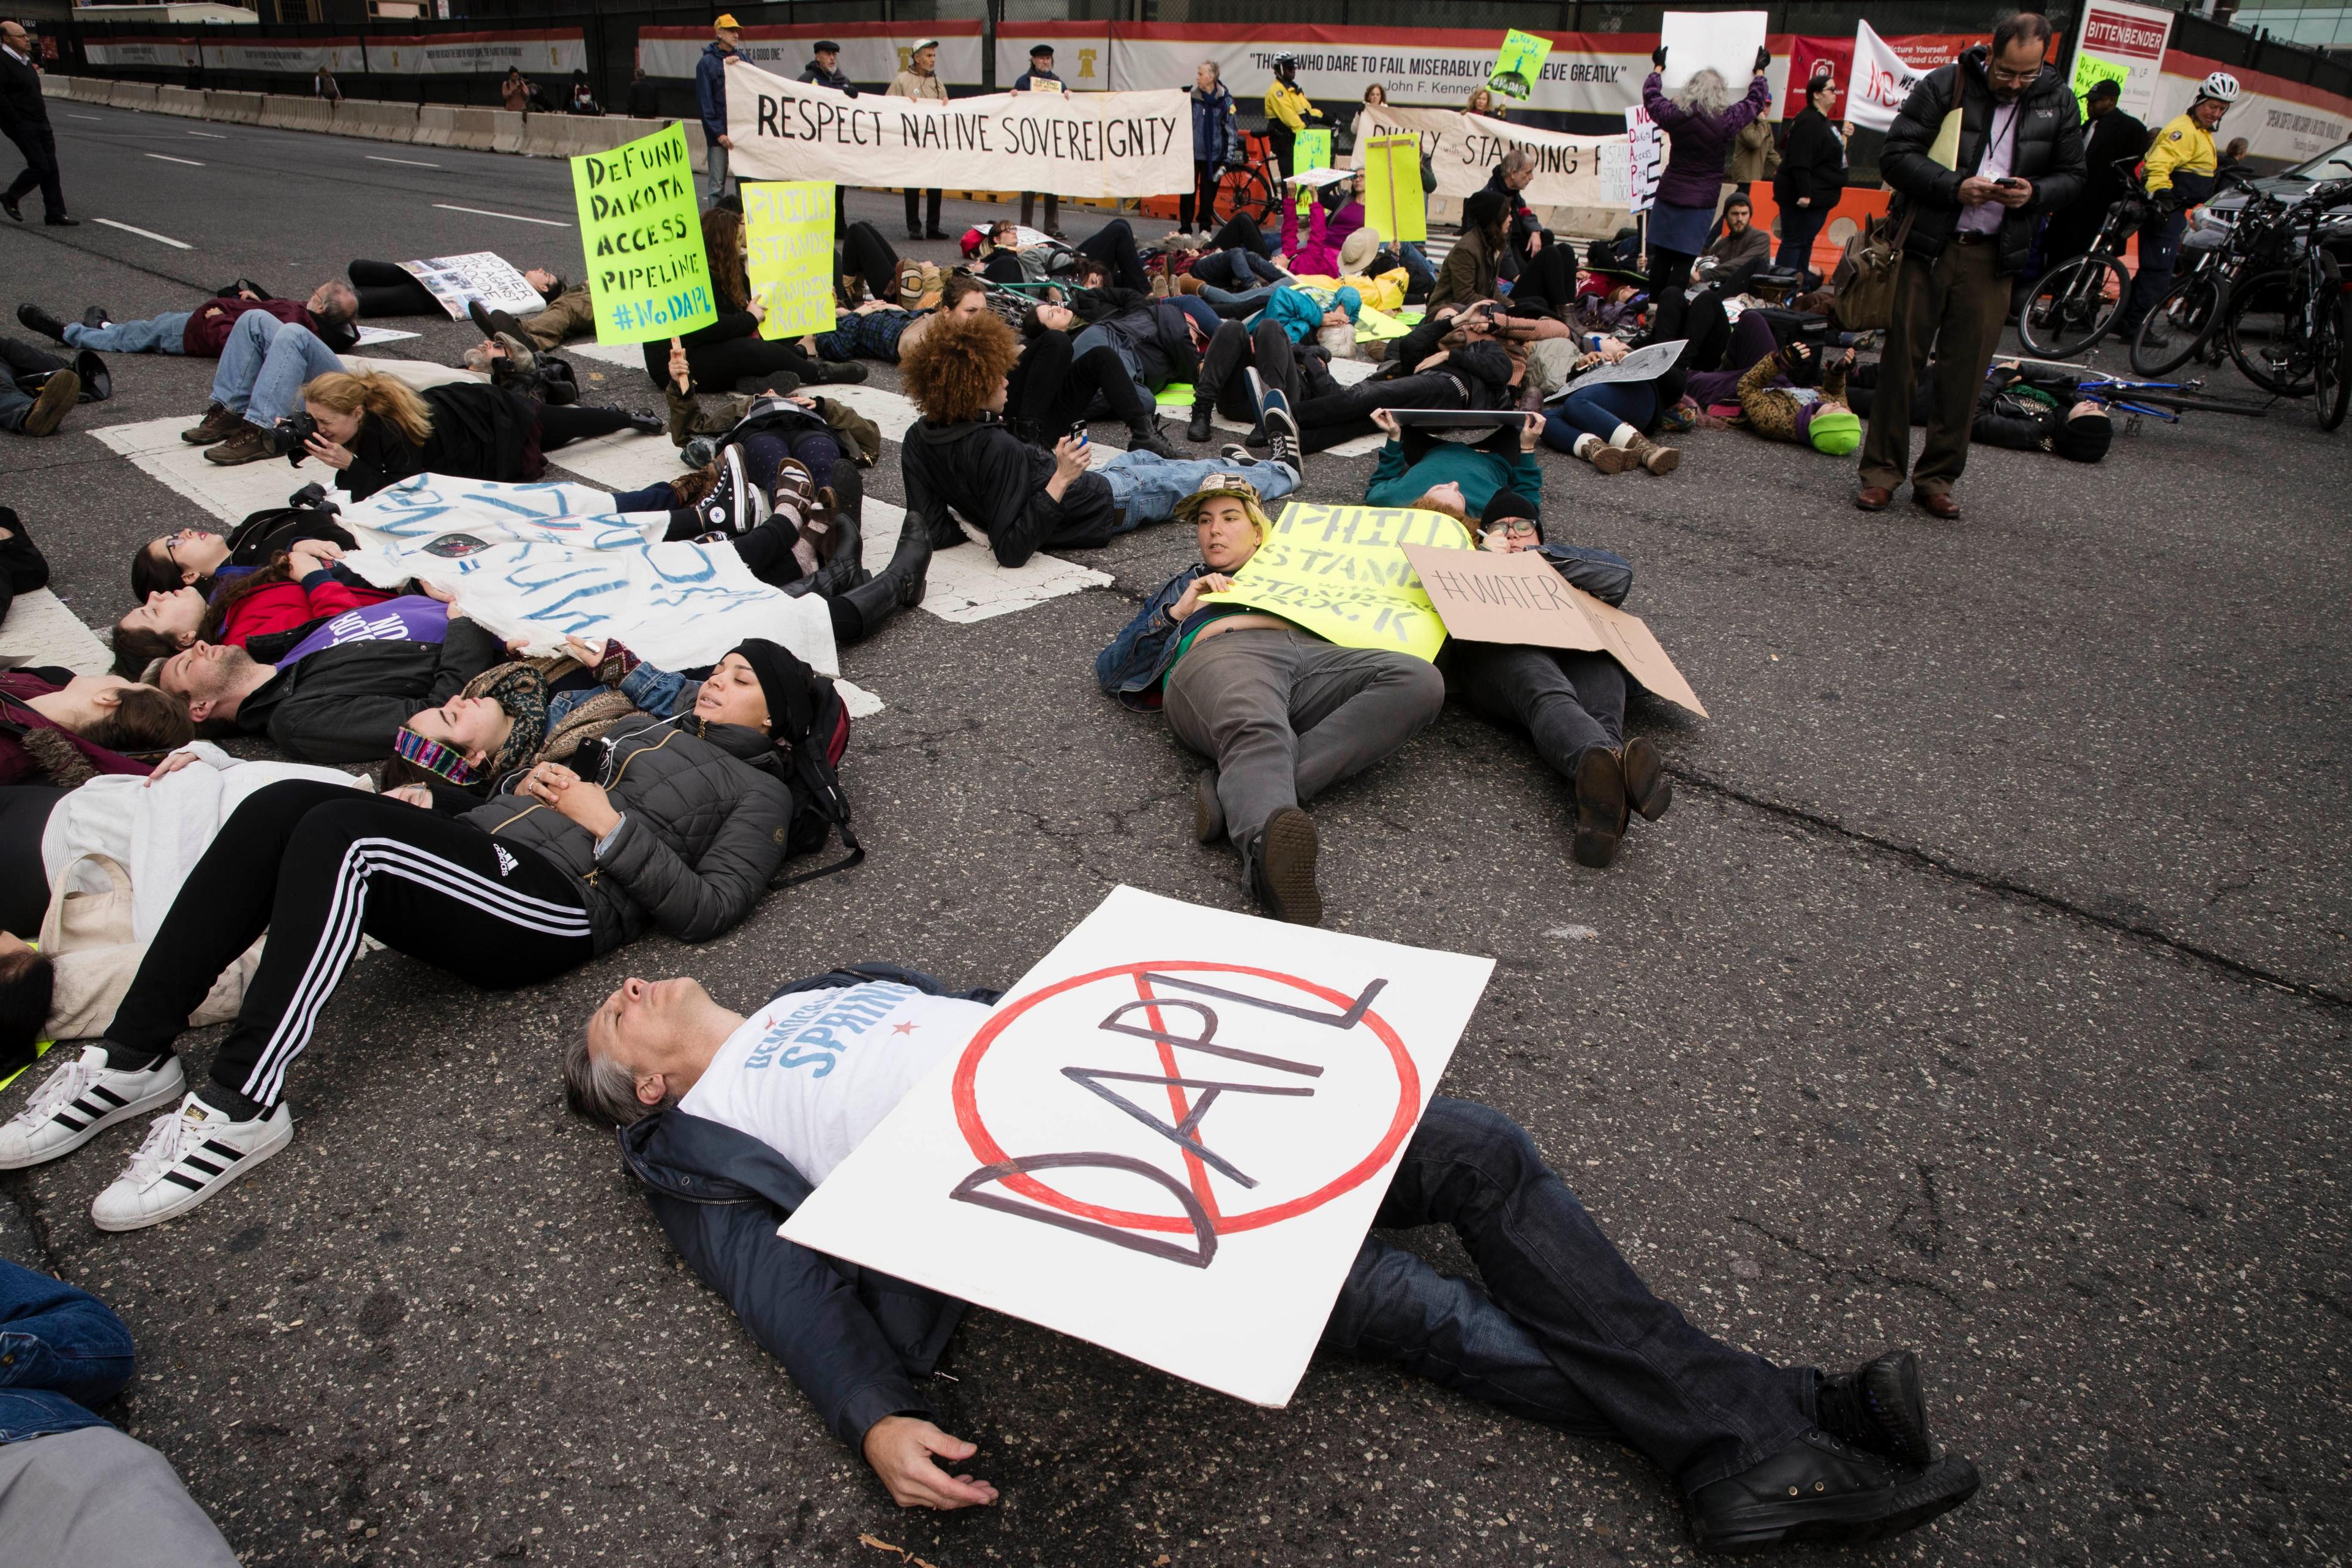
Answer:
(185, 101)
(476, 129)
(235, 108)
(508, 129)
(375, 120)
(286, 112)
(132, 94)
(58, 86)
(437, 125)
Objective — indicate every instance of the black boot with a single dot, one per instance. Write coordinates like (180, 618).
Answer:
(1821, 1490)
(862, 611)
(41, 322)
(95, 317)
(1143, 436)
(848, 372)
(1198, 430)
(1877, 1406)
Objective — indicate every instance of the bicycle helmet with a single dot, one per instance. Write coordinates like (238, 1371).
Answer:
(1287, 59)
(2220, 85)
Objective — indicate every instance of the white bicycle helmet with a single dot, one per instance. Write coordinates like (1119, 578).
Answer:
(2220, 85)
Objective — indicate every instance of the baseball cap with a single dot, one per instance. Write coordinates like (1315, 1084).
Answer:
(1223, 484)
(922, 44)
(825, 47)
(727, 20)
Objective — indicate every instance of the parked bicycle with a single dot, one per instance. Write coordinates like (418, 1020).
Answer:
(2290, 330)
(2216, 259)
(1250, 189)
(2075, 303)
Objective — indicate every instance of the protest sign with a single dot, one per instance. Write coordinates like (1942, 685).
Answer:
(1647, 363)
(2089, 71)
(1463, 150)
(647, 276)
(1881, 81)
(1519, 65)
(788, 225)
(1645, 156)
(1487, 596)
(1169, 1139)
(426, 507)
(1394, 202)
(1309, 150)
(1724, 42)
(1337, 570)
(1076, 144)
(456, 281)
(2134, 36)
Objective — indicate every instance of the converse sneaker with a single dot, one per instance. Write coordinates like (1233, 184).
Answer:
(734, 506)
(81, 1099)
(190, 1154)
(1281, 443)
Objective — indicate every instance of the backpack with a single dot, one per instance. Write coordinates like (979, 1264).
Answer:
(810, 736)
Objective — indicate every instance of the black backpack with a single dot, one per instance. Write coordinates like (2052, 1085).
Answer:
(812, 734)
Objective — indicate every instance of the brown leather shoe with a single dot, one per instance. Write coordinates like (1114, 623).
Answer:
(1935, 503)
(217, 425)
(249, 445)
(1872, 498)
(1599, 808)
(59, 394)
(1648, 789)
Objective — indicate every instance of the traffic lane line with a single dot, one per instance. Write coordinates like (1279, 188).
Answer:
(517, 218)
(207, 135)
(167, 158)
(146, 234)
(411, 163)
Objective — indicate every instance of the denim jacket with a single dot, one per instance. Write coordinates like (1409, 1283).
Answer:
(1130, 667)
(61, 1351)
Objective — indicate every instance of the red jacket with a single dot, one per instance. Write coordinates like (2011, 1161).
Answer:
(208, 327)
(282, 606)
(20, 761)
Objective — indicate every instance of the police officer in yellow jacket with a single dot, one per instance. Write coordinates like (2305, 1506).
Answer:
(1287, 113)
(2180, 169)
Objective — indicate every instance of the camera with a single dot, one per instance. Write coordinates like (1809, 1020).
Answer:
(287, 438)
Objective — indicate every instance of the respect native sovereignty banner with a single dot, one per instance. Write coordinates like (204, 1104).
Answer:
(1078, 145)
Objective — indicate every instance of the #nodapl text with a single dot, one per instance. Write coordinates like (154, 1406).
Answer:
(1027, 135)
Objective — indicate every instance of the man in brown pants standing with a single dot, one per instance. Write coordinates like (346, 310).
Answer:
(2020, 154)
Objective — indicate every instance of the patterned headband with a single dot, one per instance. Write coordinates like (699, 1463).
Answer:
(433, 756)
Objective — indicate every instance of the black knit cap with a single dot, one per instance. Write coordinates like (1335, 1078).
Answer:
(773, 667)
(1506, 504)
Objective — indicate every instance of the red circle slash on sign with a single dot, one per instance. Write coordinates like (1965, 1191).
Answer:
(984, 1146)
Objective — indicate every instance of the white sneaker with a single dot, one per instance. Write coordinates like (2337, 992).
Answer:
(190, 1154)
(81, 1099)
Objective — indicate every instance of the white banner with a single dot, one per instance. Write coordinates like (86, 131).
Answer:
(1724, 42)
(1465, 149)
(285, 57)
(871, 52)
(1169, 1139)
(456, 281)
(150, 54)
(2133, 37)
(1075, 144)
(478, 54)
(524, 566)
(1880, 83)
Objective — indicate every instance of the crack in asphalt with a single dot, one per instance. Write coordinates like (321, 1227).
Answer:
(18, 1185)
(1860, 1273)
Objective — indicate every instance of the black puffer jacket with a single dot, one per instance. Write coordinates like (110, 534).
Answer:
(1813, 163)
(996, 483)
(2048, 152)
(702, 830)
(1154, 330)
(343, 704)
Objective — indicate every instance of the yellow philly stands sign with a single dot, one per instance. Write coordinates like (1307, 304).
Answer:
(788, 226)
(1341, 571)
(647, 275)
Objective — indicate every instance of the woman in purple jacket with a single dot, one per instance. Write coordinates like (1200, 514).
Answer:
(1701, 119)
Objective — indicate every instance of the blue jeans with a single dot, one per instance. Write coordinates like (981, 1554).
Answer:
(156, 335)
(1231, 304)
(62, 1350)
(1558, 1328)
(264, 365)
(1147, 487)
(1598, 411)
(1416, 265)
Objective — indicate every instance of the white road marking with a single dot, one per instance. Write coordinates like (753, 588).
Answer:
(146, 234)
(231, 494)
(412, 163)
(484, 212)
(167, 158)
(207, 135)
(99, 118)
(41, 629)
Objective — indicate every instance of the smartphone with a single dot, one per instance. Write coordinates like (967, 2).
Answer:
(1078, 431)
(2009, 182)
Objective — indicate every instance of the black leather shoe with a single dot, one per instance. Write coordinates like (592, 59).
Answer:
(1282, 871)
(1599, 808)
(41, 322)
(95, 318)
(1878, 1406)
(12, 209)
(63, 222)
(1821, 1490)
(1197, 430)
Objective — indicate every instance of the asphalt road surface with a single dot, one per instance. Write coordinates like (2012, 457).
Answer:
(1985, 992)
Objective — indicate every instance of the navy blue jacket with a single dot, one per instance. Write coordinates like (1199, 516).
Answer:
(710, 89)
(1216, 130)
(856, 1342)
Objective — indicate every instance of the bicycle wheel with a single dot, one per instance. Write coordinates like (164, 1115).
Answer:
(2262, 337)
(1246, 192)
(2073, 306)
(2190, 312)
(2331, 364)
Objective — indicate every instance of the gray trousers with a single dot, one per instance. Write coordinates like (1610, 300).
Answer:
(92, 1497)
(1286, 715)
(717, 170)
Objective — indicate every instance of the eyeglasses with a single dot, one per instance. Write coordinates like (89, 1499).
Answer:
(1517, 528)
(2014, 78)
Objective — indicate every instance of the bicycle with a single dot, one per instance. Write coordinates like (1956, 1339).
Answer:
(2186, 324)
(2075, 303)
(1250, 189)
(2290, 331)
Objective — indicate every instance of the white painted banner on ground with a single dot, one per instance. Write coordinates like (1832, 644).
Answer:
(477, 54)
(2133, 37)
(871, 52)
(1078, 145)
(456, 281)
(1169, 1139)
(1464, 148)
(469, 514)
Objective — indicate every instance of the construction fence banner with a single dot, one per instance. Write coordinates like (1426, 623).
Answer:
(286, 57)
(2289, 121)
(1076, 145)
(143, 54)
(871, 52)
(554, 52)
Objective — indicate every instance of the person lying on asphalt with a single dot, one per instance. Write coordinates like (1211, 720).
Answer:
(329, 314)
(37, 389)
(726, 1141)
(267, 612)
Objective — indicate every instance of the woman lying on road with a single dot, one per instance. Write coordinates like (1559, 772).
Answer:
(373, 430)
(264, 612)
(198, 558)
(664, 829)
(59, 727)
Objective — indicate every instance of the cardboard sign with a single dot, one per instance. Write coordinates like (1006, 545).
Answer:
(647, 276)
(1647, 363)
(1338, 572)
(788, 223)
(1394, 202)
(1488, 597)
(1169, 1139)
(1724, 42)
(1521, 64)
(456, 281)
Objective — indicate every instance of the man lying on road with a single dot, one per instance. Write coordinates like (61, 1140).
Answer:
(729, 1137)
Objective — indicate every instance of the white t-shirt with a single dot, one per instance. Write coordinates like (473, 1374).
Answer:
(811, 1074)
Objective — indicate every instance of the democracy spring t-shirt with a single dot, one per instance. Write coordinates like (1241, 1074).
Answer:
(812, 1073)
(411, 619)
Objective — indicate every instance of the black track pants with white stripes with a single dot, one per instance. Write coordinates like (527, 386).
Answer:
(316, 865)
